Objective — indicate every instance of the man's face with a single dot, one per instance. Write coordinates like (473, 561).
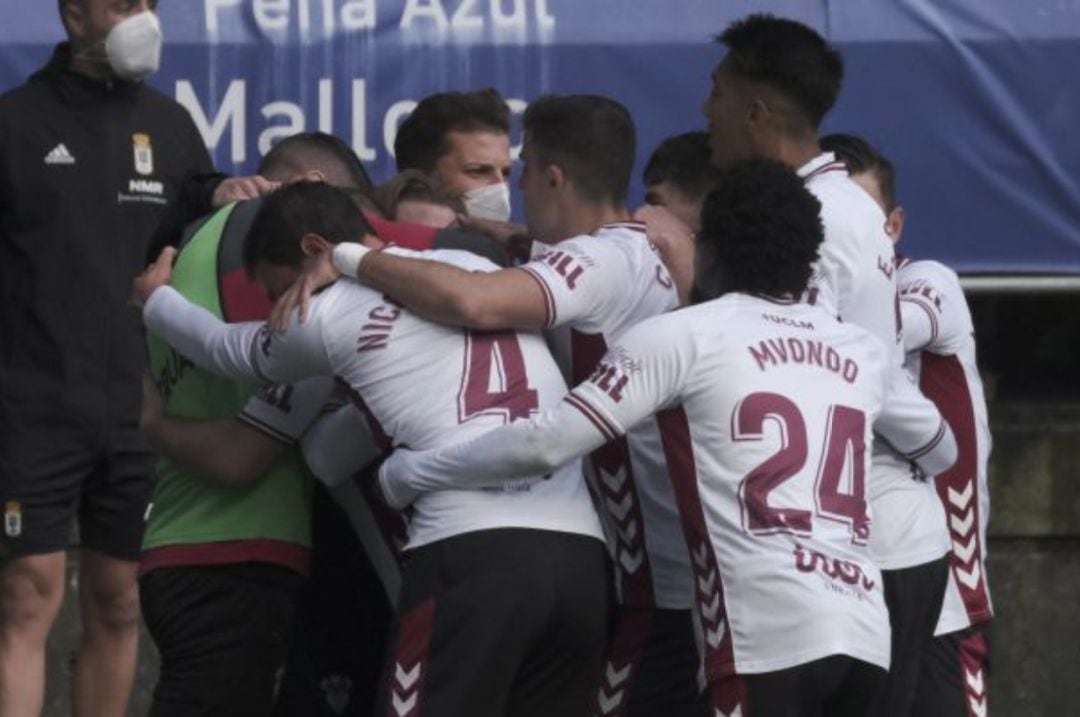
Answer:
(685, 209)
(536, 190)
(727, 110)
(89, 21)
(275, 278)
(474, 160)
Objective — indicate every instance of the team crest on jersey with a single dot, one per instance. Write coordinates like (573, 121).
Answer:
(12, 518)
(144, 153)
(337, 689)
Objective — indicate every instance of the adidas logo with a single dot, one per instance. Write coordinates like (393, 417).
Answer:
(59, 155)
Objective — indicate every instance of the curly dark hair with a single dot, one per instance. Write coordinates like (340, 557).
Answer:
(421, 139)
(289, 213)
(860, 156)
(789, 57)
(762, 228)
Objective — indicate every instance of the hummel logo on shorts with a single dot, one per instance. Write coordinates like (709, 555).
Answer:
(59, 155)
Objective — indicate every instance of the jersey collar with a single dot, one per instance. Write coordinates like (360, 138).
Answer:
(824, 162)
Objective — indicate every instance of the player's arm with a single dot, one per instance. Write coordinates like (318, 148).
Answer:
(913, 426)
(632, 382)
(237, 451)
(504, 299)
(675, 243)
(242, 352)
(932, 319)
(339, 445)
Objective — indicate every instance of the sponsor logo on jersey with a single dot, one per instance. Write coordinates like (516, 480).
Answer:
(144, 153)
(12, 518)
(59, 155)
(146, 186)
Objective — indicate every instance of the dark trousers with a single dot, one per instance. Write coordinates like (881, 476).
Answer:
(914, 597)
(223, 634)
(497, 623)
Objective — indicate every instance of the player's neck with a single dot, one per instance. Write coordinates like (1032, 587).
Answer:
(796, 151)
(584, 219)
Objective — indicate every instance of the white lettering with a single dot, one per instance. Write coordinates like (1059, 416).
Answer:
(146, 186)
(212, 9)
(231, 112)
(517, 107)
(431, 9)
(357, 15)
(271, 14)
(394, 116)
(303, 10)
(359, 121)
(326, 105)
(516, 18)
(544, 18)
(466, 17)
(290, 111)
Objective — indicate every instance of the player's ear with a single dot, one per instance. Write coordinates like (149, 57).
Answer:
(554, 176)
(73, 17)
(894, 224)
(312, 244)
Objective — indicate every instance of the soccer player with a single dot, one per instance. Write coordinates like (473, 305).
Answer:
(598, 278)
(677, 178)
(769, 95)
(503, 598)
(766, 407)
(950, 679)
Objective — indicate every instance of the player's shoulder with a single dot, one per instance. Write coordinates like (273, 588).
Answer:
(455, 257)
(928, 270)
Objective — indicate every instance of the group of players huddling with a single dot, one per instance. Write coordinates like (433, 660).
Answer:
(770, 501)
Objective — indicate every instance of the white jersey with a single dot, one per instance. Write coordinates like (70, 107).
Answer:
(286, 411)
(595, 288)
(855, 279)
(940, 339)
(766, 411)
(420, 384)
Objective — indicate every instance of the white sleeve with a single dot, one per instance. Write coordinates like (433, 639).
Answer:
(242, 352)
(577, 278)
(933, 308)
(634, 380)
(912, 425)
(339, 446)
(285, 411)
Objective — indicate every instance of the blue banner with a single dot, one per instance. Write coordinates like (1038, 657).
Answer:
(972, 99)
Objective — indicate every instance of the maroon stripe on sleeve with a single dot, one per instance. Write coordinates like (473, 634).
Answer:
(593, 415)
(550, 315)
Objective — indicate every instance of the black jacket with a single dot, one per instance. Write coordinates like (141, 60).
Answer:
(92, 174)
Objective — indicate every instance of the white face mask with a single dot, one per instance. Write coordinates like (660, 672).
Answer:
(133, 46)
(489, 202)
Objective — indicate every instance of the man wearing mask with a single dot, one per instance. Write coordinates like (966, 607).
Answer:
(95, 167)
(463, 138)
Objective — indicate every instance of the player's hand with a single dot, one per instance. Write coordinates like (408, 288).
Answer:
(318, 272)
(675, 243)
(511, 236)
(395, 493)
(152, 405)
(237, 189)
(156, 275)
